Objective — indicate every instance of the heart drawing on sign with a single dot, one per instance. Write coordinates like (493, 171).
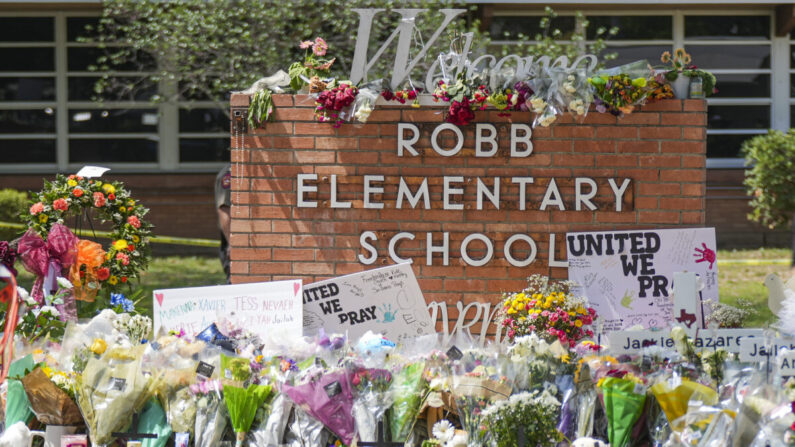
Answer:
(296, 288)
(159, 297)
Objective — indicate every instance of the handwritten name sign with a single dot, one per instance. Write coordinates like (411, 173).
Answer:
(266, 308)
(386, 300)
(788, 364)
(632, 342)
(759, 349)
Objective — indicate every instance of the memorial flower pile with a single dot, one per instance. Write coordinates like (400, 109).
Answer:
(328, 390)
(618, 94)
(332, 104)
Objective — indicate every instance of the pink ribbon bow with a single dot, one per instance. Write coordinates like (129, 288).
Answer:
(46, 260)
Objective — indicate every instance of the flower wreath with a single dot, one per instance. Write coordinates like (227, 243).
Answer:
(129, 252)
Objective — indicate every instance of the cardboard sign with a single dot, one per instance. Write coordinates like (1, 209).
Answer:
(628, 275)
(760, 348)
(265, 308)
(632, 342)
(386, 300)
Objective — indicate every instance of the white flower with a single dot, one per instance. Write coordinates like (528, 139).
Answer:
(363, 112)
(64, 283)
(538, 104)
(50, 310)
(443, 430)
(459, 440)
(26, 296)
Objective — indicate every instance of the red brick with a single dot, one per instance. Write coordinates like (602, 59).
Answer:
(693, 217)
(594, 146)
(270, 268)
(314, 156)
(239, 100)
(616, 132)
(658, 189)
(691, 147)
(667, 105)
(573, 131)
(272, 156)
(293, 143)
(676, 203)
(637, 146)
(695, 105)
(682, 175)
(282, 100)
(287, 114)
(693, 189)
(573, 160)
(694, 133)
(617, 160)
(693, 161)
(293, 254)
(640, 118)
(304, 129)
(658, 217)
(660, 133)
(685, 119)
(662, 161)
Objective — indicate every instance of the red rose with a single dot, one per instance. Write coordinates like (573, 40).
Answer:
(60, 204)
(99, 199)
(103, 273)
(131, 247)
(123, 279)
(77, 192)
(111, 197)
(412, 94)
(134, 222)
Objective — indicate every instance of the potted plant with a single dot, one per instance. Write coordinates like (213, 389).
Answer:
(680, 72)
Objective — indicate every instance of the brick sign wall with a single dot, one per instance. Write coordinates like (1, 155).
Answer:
(312, 201)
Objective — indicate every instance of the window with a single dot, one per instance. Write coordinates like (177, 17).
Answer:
(49, 119)
(738, 47)
(738, 50)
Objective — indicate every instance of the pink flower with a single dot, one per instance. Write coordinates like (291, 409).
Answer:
(36, 208)
(320, 47)
(553, 318)
(134, 222)
(125, 260)
(544, 313)
(60, 204)
(511, 333)
(99, 199)
(306, 44)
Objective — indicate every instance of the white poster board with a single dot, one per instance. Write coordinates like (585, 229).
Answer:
(387, 300)
(764, 348)
(628, 275)
(265, 308)
(633, 342)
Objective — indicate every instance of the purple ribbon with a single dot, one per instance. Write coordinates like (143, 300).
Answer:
(47, 260)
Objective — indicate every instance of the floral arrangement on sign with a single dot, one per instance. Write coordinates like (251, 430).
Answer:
(91, 268)
(680, 64)
(548, 309)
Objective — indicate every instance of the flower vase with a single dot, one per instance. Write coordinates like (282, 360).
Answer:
(681, 86)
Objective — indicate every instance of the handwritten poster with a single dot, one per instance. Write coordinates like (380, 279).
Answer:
(628, 275)
(264, 308)
(386, 300)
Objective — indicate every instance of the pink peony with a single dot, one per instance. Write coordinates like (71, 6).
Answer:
(36, 208)
(320, 47)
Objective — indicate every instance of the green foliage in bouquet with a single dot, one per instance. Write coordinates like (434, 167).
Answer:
(536, 412)
(770, 177)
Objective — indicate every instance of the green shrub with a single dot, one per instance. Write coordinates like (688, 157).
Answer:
(12, 203)
(770, 178)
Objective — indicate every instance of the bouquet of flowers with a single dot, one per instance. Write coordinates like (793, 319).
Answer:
(242, 404)
(333, 104)
(479, 381)
(110, 390)
(302, 73)
(408, 93)
(137, 328)
(620, 93)
(535, 362)
(371, 386)
(328, 397)
(407, 391)
(535, 412)
(511, 100)
(464, 96)
(51, 396)
(548, 309)
(624, 399)
(211, 413)
(572, 90)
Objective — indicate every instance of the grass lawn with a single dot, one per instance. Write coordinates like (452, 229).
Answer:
(735, 281)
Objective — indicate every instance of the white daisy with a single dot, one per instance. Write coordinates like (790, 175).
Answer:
(443, 430)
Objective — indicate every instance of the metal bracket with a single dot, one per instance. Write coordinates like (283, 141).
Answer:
(239, 121)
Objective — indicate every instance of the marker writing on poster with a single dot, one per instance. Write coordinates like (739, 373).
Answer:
(636, 252)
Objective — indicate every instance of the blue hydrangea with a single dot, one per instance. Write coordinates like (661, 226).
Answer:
(118, 299)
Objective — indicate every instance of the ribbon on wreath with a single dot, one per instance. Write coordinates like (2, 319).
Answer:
(92, 256)
(47, 260)
(10, 296)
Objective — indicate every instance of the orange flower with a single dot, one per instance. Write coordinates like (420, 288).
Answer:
(111, 197)
(77, 192)
(134, 221)
(36, 208)
(99, 199)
